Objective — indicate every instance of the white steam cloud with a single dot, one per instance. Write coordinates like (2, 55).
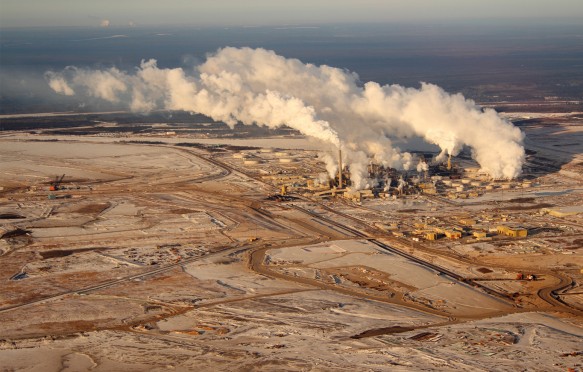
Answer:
(58, 84)
(258, 86)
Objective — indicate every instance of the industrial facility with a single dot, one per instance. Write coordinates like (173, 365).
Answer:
(448, 180)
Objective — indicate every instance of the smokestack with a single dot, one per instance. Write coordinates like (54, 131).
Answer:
(339, 168)
(449, 162)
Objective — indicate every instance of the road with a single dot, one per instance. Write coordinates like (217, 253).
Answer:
(113, 282)
(548, 294)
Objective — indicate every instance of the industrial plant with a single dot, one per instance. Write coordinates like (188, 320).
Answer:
(183, 238)
(253, 220)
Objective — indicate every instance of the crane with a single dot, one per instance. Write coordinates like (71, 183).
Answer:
(55, 184)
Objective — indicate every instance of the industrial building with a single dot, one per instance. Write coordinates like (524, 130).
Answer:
(431, 236)
(514, 232)
(452, 234)
(480, 234)
(435, 180)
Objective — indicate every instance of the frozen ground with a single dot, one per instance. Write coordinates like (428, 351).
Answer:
(408, 279)
(310, 331)
(152, 257)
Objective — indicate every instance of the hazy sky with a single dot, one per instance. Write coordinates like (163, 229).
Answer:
(27, 13)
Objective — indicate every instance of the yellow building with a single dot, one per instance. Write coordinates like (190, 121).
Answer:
(452, 234)
(514, 232)
(430, 236)
(479, 234)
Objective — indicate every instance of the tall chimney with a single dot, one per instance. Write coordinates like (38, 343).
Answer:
(340, 168)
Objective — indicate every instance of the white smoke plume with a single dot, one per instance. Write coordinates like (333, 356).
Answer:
(58, 84)
(258, 86)
(322, 179)
(331, 164)
(422, 167)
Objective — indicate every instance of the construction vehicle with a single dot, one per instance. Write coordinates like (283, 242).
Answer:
(55, 185)
(522, 276)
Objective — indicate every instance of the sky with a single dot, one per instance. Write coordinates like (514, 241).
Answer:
(122, 13)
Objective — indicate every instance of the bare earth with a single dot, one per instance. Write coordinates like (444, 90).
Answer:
(153, 256)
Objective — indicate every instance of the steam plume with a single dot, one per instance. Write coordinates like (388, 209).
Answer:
(258, 86)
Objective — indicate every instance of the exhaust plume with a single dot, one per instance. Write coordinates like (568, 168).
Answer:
(257, 86)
